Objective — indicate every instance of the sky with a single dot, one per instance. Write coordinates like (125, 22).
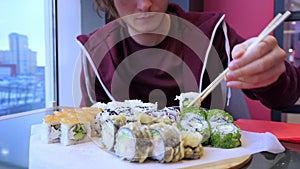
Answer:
(24, 17)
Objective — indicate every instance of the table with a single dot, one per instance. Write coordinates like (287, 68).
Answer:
(286, 159)
(290, 159)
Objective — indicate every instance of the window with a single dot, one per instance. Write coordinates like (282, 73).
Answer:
(288, 36)
(26, 55)
(27, 74)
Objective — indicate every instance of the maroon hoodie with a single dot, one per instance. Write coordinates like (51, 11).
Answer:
(129, 70)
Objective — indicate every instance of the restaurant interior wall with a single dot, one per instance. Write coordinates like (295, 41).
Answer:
(248, 18)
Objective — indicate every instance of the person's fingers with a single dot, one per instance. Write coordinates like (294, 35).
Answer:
(239, 50)
(257, 80)
(270, 60)
(253, 53)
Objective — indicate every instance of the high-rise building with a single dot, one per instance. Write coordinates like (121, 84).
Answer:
(21, 55)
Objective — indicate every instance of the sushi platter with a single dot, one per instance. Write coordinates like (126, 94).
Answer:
(136, 134)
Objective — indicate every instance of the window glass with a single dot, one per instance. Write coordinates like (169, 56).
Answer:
(292, 5)
(26, 45)
(291, 43)
(291, 33)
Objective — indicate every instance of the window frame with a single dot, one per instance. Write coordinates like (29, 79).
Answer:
(51, 81)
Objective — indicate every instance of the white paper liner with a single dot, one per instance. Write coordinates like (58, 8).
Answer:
(89, 155)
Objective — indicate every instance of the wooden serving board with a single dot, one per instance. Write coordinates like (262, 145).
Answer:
(231, 163)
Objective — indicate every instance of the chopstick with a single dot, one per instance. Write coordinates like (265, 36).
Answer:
(278, 19)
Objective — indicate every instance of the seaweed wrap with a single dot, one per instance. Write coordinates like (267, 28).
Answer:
(51, 129)
(192, 144)
(133, 142)
(193, 120)
(166, 141)
(226, 135)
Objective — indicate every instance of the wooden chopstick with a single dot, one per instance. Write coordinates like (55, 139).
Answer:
(278, 19)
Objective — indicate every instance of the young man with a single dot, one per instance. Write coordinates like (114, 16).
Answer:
(154, 51)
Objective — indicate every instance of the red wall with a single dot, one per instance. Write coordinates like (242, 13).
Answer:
(248, 18)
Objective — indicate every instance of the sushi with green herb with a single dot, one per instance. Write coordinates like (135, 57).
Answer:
(193, 119)
(226, 135)
(219, 116)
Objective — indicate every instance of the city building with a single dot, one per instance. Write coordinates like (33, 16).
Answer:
(20, 55)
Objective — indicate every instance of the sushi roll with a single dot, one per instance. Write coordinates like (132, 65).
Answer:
(117, 104)
(117, 113)
(195, 110)
(219, 116)
(186, 98)
(109, 129)
(74, 131)
(167, 115)
(172, 113)
(193, 120)
(166, 140)
(99, 105)
(192, 144)
(226, 135)
(89, 114)
(161, 116)
(146, 108)
(133, 142)
(51, 129)
(133, 103)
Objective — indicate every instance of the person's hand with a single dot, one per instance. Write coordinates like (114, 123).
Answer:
(255, 67)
